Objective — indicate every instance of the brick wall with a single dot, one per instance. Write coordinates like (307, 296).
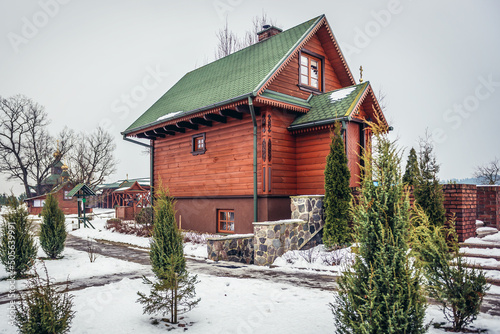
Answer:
(461, 199)
(488, 205)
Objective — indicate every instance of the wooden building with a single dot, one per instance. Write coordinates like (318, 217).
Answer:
(235, 138)
(67, 204)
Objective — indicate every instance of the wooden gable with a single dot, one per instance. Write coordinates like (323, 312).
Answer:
(336, 73)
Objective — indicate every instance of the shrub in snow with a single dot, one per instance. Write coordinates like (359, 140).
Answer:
(173, 291)
(172, 295)
(381, 293)
(145, 216)
(17, 247)
(52, 230)
(337, 193)
(460, 290)
(128, 227)
(197, 237)
(42, 308)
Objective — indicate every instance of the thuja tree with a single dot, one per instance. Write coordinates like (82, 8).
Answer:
(458, 288)
(42, 308)
(412, 171)
(173, 291)
(381, 293)
(337, 193)
(428, 192)
(17, 248)
(52, 230)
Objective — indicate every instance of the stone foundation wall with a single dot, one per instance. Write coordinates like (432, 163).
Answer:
(310, 210)
(461, 200)
(488, 205)
(237, 248)
(273, 239)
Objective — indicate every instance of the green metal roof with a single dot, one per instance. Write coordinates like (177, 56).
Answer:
(286, 98)
(85, 190)
(328, 107)
(52, 179)
(226, 80)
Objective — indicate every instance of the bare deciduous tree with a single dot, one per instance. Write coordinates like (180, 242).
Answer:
(488, 173)
(26, 147)
(92, 158)
(229, 42)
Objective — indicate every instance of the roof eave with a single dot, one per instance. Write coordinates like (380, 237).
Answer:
(316, 123)
(194, 111)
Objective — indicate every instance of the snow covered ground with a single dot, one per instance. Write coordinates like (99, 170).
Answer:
(76, 265)
(101, 233)
(228, 305)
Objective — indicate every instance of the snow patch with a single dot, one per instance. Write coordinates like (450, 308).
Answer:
(341, 94)
(168, 116)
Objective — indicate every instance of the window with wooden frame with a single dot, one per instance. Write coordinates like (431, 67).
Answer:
(225, 221)
(198, 145)
(311, 71)
(66, 197)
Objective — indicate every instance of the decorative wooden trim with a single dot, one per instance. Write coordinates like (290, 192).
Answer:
(186, 124)
(216, 118)
(231, 113)
(194, 142)
(278, 104)
(263, 179)
(269, 179)
(189, 117)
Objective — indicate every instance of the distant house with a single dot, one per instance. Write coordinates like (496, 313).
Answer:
(110, 195)
(235, 138)
(67, 204)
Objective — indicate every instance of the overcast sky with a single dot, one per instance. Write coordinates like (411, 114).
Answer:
(105, 62)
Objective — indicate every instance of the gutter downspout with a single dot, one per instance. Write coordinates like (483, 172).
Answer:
(151, 163)
(254, 120)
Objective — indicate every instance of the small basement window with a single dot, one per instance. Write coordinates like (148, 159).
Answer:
(198, 145)
(225, 221)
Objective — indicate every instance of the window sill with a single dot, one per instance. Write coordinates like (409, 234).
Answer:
(309, 89)
(198, 152)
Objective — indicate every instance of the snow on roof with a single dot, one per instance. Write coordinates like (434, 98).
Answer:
(340, 94)
(167, 116)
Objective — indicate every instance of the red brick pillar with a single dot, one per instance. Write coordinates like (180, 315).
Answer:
(488, 205)
(461, 199)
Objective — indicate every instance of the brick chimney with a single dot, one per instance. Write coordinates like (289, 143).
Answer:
(268, 31)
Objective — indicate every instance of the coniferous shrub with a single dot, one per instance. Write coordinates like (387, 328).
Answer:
(412, 171)
(145, 216)
(428, 192)
(17, 248)
(381, 292)
(52, 230)
(457, 288)
(337, 193)
(42, 308)
(173, 290)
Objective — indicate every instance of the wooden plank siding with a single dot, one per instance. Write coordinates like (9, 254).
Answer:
(354, 151)
(312, 149)
(283, 162)
(288, 80)
(225, 169)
